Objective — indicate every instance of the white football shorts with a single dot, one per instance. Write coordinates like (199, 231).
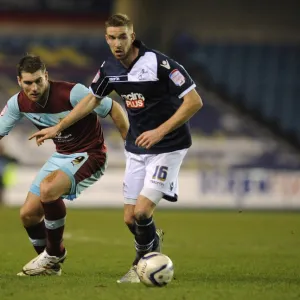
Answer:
(154, 171)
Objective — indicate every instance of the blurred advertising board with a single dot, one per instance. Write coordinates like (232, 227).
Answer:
(250, 188)
(236, 189)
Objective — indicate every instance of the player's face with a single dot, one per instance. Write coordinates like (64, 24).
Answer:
(34, 85)
(120, 40)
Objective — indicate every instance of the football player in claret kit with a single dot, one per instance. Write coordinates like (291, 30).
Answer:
(160, 98)
(79, 160)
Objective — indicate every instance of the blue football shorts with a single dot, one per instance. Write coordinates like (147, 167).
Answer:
(83, 169)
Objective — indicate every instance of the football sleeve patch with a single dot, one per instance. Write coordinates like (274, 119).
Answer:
(179, 81)
(101, 86)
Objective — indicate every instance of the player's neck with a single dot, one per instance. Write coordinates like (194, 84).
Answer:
(44, 99)
(132, 55)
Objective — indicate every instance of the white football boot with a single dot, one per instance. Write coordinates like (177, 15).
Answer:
(55, 270)
(44, 264)
(131, 276)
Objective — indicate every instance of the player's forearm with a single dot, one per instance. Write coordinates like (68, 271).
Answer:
(182, 115)
(120, 119)
(82, 109)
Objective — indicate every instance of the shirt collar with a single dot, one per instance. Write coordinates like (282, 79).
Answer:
(141, 46)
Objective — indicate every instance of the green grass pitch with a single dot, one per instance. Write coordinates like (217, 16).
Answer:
(217, 255)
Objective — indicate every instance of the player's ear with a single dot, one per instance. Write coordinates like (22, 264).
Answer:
(46, 75)
(132, 36)
(19, 80)
(106, 37)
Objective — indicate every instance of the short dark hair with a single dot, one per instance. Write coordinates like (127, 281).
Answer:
(118, 20)
(30, 63)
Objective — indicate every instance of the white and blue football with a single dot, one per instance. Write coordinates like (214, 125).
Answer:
(155, 269)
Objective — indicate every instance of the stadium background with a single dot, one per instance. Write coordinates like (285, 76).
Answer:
(245, 58)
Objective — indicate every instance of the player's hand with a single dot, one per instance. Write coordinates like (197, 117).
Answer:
(44, 134)
(149, 138)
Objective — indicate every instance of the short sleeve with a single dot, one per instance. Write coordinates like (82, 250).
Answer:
(78, 92)
(179, 81)
(9, 115)
(101, 86)
(104, 108)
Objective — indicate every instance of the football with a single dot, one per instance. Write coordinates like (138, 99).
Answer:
(155, 269)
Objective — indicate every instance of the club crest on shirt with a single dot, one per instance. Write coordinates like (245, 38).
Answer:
(165, 64)
(177, 77)
(4, 110)
(143, 74)
(96, 78)
(77, 160)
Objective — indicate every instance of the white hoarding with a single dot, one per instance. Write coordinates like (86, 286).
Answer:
(236, 189)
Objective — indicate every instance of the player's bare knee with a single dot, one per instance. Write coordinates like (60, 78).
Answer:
(30, 217)
(24, 215)
(129, 214)
(141, 215)
(47, 192)
(128, 219)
